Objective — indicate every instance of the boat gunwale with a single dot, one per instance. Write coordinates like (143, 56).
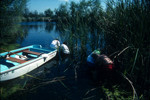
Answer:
(14, 51)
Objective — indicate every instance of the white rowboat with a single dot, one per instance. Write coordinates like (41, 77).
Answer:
(23, 60)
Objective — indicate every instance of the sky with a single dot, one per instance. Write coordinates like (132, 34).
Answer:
(42, 5)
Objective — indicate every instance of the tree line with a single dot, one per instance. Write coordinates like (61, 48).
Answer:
(28, 15)
(66, 12)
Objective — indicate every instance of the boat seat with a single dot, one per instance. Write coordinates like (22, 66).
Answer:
(11, 53)
(31, 52)
(16, 60)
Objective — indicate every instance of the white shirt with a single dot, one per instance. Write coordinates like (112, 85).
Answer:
(55, 44)
(21, 57)
(65, 49)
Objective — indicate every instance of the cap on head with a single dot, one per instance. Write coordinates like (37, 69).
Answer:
(97, 51)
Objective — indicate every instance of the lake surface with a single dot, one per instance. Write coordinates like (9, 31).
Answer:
(37, 34)
(60, 78)
(44, 32)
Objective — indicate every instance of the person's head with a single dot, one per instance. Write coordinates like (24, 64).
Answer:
(97, 51)
(94, 55)
(64, 43)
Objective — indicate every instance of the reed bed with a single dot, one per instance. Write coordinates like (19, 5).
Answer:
(124, 23)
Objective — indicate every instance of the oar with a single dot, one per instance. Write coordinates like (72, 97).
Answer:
(12, 52)
(4, 50)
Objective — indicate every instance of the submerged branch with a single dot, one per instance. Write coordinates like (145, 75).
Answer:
(90, 91)
(121, 51)
(135, 96)
(56, 79)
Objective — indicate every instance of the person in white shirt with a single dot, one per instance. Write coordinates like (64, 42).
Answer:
(64, 49)
(55, 44)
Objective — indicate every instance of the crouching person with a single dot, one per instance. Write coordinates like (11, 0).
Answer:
(103, 66)
(103, 62)
(91, 71)
(55, 44)
(64, 50)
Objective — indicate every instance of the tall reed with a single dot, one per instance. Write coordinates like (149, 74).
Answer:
(128, 25)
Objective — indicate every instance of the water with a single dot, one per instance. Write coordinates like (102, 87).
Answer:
(38, 34)
(60, 78)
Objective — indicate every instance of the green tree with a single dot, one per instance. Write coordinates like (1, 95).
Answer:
(41, 14)
(35, 13)
(11, 12)
(62, 13)
(48, 13)
(26, 12)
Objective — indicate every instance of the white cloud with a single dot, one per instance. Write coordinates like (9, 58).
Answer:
(69, 0)
(64, 0)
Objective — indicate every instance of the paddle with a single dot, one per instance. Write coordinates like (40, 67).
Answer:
(11, 52)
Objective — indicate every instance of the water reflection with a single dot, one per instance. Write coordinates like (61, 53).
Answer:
(49, 27)
(82, 37)
(9, 37)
